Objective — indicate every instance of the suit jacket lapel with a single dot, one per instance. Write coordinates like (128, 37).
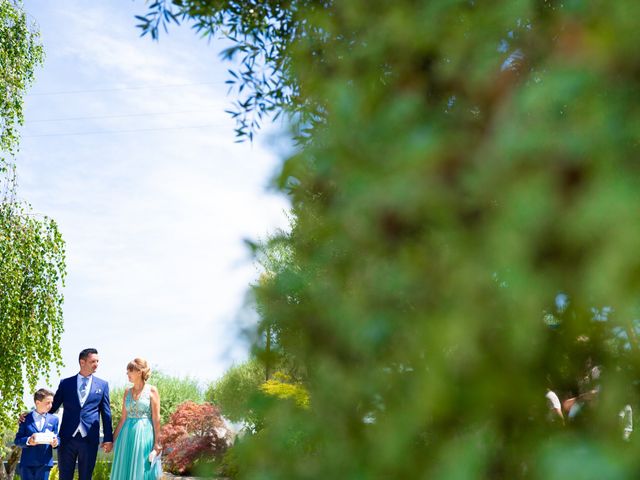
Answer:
(34, 424)
(48, 422)
(94, 387)
(73, 386)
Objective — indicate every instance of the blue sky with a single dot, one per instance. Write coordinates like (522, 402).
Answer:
(127, 146)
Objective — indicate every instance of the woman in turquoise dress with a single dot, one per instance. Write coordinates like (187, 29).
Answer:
(138, 433)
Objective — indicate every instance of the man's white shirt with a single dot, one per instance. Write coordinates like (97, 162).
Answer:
(82, 399)
(39, 420)
(552, 400)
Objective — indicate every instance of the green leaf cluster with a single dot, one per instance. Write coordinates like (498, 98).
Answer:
(32, 271)
(281, 387)
(20, 53)
(260, 34)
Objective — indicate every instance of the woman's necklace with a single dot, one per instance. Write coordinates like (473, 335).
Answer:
(136, 395)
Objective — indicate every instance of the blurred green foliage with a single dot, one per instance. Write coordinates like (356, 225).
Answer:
(465, 188)
(173, 391)
(281, 387)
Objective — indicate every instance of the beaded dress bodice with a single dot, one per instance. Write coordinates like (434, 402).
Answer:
(140, 408)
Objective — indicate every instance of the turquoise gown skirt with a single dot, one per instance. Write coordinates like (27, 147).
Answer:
(134, 443)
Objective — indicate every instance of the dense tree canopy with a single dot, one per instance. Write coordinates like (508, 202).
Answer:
(466, 203)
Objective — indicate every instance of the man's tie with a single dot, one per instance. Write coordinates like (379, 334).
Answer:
(83, 387)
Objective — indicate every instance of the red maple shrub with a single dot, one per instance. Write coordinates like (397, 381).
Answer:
(195, 433)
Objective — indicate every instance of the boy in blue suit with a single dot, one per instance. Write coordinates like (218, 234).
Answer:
(37, 459)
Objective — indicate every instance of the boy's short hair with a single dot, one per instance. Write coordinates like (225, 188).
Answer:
(41, 394)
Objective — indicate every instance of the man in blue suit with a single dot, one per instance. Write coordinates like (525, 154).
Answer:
(85, 399)
(37, 458)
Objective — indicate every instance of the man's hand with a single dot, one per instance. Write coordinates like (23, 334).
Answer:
(54, 442)
(107, 447)
(568, 403)
(22, 416)
(32, 440)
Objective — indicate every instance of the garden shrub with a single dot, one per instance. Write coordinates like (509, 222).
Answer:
(281, 387)
(195, 433)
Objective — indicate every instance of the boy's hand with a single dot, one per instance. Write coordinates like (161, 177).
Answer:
(32, 440)
(54, 442)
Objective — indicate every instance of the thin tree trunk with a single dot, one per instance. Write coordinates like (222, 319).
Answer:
(12, 462)
(268, 355)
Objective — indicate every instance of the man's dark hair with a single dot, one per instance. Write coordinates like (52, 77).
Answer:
(86, 352)
(41, 394)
